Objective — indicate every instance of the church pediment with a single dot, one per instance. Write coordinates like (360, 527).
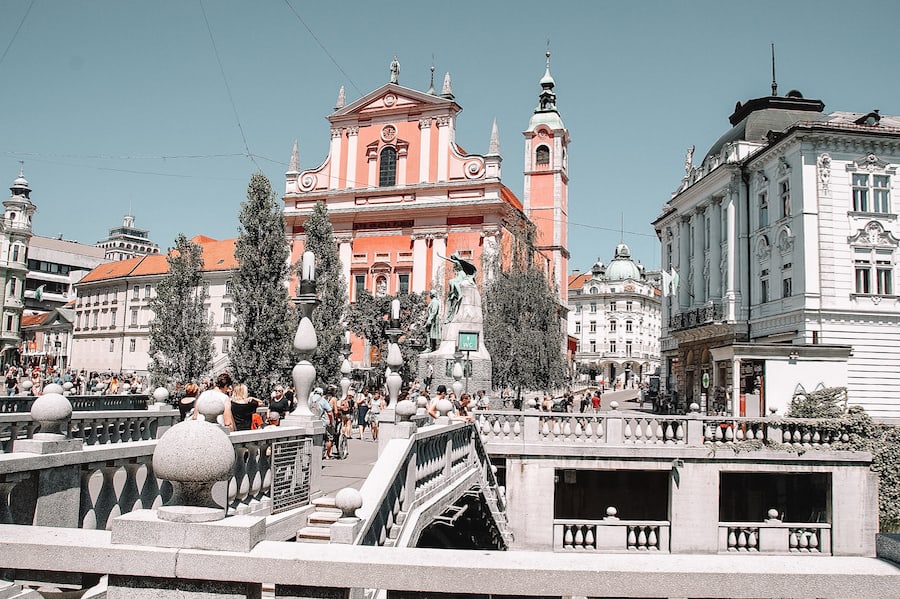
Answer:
(393, 98)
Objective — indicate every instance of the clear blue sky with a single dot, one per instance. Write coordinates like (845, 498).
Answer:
(122, 106)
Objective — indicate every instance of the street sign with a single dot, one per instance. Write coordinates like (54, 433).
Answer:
(467, 341)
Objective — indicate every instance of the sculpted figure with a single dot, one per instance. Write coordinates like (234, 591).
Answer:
(465, 274)
(433, 321)
(395, 70)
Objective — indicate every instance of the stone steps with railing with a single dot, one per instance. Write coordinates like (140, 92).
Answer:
(318, 525)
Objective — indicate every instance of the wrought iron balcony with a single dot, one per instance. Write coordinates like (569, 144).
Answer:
(711, 312)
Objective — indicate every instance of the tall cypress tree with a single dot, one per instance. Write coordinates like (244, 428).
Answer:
(522, 329)
(328, 317)
(264, 318)
(180, 339)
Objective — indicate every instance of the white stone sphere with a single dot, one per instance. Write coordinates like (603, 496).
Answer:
(194, 451)
(773, 514)
(531, 403)
(444, 406)
(210, 406)
(160, 395)
(694, 407)
(53, 388)
(405, 409)
(51, 407)
(68, 386)
(26, 385)
(348, 500)
(611, 512)
(613, 405)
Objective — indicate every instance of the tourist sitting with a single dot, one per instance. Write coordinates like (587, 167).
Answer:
(243, 407)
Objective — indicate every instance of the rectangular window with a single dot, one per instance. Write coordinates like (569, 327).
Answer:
(628, 306)
(112, 319)
(226, 343)
(593, 346)
(784, 192)
(612, 326)
(403, 283)
(612, 347)
(577, 328)
(226, 318)
(763, 210)
(15, 256)
(612, 306)
(360, 284)
(628, 348)
(96, 319)
(628, 326)
(881, 194)
(593, 307)
(228, 287)
(112, 345)
(764, 286)
(786, 287)
(132, 345)
(860, 193)
(146, 291)
(136, 292)
(134, 318)
(593, 326)
(874, 278)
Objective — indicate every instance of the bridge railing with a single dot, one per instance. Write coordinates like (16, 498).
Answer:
(623, 428)
(93, 427)
(89, 488)
(22, 403)
(412, 471)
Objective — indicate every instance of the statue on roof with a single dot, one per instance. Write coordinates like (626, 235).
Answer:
(395, 70)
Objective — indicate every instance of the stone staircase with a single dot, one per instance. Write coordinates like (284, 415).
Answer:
(317, 529)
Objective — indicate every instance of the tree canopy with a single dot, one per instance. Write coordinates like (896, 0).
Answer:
(180, 338)
(264, 319)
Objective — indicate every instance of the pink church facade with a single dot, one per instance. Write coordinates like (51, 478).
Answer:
(401, 193)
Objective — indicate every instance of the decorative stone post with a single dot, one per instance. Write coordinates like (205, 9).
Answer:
(52, 411)
(305, 340)
(457, 374)
(160, 403)
(346, 369)
(394, 357)
(193, 455)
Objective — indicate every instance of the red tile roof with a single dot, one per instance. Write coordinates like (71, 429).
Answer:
(509, 197)
(217, 256)
(577, 281)
(32, 320)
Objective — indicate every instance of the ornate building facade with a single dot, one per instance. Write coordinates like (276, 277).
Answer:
(127, 241)
(112, 309)
(401, 194)
(15, 232)
(614, 314)
(782, 247)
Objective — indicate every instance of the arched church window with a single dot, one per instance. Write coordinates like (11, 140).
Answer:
(387, 168)
(542, 156)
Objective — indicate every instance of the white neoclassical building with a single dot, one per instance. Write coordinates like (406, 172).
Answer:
(614, 315)
(15, 232)
(780, 249)
(112, 309)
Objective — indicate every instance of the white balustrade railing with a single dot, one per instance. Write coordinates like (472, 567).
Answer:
(775, 537)
(611, 535)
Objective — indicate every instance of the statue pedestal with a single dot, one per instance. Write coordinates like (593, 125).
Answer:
(469, 319)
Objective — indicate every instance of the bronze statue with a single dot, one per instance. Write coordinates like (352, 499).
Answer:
(465, 274)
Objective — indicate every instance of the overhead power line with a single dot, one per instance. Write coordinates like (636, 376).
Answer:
(16, 34)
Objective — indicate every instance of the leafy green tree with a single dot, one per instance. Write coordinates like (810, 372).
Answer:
(331, 287)
(522, 328)
(180, 339)
(264, 319)
(368, 318)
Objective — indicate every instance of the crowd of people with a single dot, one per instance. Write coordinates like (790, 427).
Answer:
(83, 382)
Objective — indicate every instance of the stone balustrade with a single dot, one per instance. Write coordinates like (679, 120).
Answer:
(775, 537)
(80, 403)
(413, 472)
(336, 570)
(615, 428)
(94, 428)
(610, 535)
(91, 487)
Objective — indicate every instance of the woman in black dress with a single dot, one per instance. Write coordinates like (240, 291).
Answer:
(243, 407)
(191, 391)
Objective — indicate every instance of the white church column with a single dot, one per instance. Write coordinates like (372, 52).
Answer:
(684, 263)
(715, 249)
(372, 157)
(424, 149)
(352, 140)
(345, 253)
(402, 152)
(443, 123)
(699, 283)
(420, 280)
(438, 249)
(337, 135)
